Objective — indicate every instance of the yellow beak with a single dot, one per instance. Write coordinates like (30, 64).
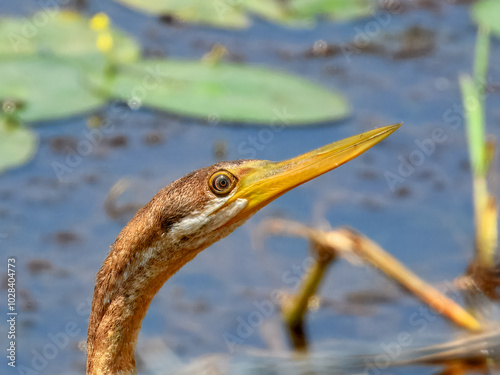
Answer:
(262, 181)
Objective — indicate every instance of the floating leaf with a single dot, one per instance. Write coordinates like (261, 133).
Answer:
(334, 9)
(235, 14)
(294, 11)
(230, 92)
(486, 13)
(61, 33)
(17, 145)
(48, 59)
(58, 71)
(221, 13)
(48, 88)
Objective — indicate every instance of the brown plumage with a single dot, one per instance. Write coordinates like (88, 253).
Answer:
(125, 284)
(181, 220)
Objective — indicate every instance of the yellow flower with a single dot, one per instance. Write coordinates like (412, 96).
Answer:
(100, 22)
(104, 42)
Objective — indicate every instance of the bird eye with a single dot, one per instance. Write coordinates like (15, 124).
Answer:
(222, 182)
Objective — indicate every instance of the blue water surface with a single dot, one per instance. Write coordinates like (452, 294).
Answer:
(60, 234)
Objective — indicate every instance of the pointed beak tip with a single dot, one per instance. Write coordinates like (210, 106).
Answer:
(396, 126)
(386, 131)
(267, 182)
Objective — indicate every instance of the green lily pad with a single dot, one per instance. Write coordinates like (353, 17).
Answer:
(62, 33)
(216, 13)
(48, 60)
(297, 11)
(17, 146)
(333, 9)
(235, 14)
(229, 92)
(486, 13)
(47, 88)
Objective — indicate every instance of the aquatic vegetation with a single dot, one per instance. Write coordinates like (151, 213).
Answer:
(482, 150)
(48, 88)
(17, 143)
(237, 14)
(485, 13)
(101, 24)
(481, 279)
(71, 65)
(227, 92)
(326, 247)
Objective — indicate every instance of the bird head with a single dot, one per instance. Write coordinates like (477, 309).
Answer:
(181, 220)
(209, 203)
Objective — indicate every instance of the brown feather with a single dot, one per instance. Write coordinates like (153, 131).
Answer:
(143, 257)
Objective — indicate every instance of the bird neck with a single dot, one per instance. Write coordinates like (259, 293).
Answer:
(122, 297)
(146, 253)
(141, 260)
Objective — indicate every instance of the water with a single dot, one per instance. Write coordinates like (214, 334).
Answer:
(425, 220)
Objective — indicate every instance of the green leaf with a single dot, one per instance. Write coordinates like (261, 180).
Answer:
(17, 146)
(481, 60)
(474, 124)
(48, 60)
(229, 92)
(486, 14)
(220, 13)
(332, 9)
(234, 14)
(47, 88)
(62, 33)
(304, 12)
(57, 71)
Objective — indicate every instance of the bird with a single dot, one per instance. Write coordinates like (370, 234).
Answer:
(180, 221)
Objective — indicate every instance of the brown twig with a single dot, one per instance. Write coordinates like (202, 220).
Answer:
(347, 241)
(295, 308)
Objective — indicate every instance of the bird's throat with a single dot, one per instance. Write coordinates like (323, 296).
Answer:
(141, 260)
(121, 299)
